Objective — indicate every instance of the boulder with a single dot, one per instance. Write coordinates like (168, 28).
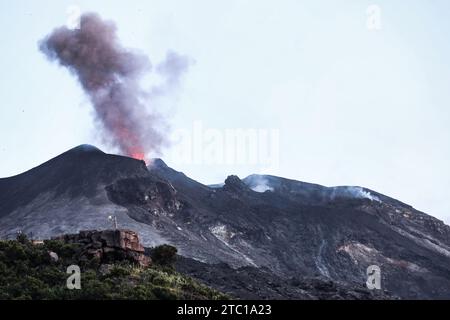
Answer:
(53, 256)
(109, 245)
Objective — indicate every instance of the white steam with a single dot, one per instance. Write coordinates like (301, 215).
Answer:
(260, 184)
(353, 192)
(364, 194)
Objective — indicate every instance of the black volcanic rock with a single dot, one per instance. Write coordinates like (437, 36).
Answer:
(234, 184)
(77, 172)
(252, 283)
(149, 192)
(66, 194)
(262, 224)
(159, 164)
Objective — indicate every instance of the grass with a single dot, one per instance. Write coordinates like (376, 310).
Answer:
(28, 273)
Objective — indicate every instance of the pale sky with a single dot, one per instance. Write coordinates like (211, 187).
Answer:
(348, 105)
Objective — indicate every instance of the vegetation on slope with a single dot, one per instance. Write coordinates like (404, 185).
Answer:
(28, 271)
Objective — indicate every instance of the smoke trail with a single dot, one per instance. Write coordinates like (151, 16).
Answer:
(109, 74)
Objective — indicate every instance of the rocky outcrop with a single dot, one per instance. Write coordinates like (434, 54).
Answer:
(156, 196)
(234, 184)
(109, 245)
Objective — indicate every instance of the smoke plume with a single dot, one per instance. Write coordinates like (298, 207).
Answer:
(109, 74)
(261, 184)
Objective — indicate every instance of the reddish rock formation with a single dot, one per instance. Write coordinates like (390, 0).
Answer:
(109, 245)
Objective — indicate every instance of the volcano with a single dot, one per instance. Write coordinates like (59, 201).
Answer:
(262, 227)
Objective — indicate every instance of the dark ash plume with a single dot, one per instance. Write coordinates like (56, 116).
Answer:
(109, 74)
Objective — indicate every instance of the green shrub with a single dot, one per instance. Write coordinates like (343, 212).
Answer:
(164, 255)
(64, 250)
(119, 271)
(22, 238)
(27, 272)
(163, 293)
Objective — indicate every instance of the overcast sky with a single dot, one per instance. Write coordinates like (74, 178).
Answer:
(333, 99)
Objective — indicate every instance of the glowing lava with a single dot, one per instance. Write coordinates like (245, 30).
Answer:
(138, 155)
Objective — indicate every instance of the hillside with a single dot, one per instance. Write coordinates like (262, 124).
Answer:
(28, 271)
